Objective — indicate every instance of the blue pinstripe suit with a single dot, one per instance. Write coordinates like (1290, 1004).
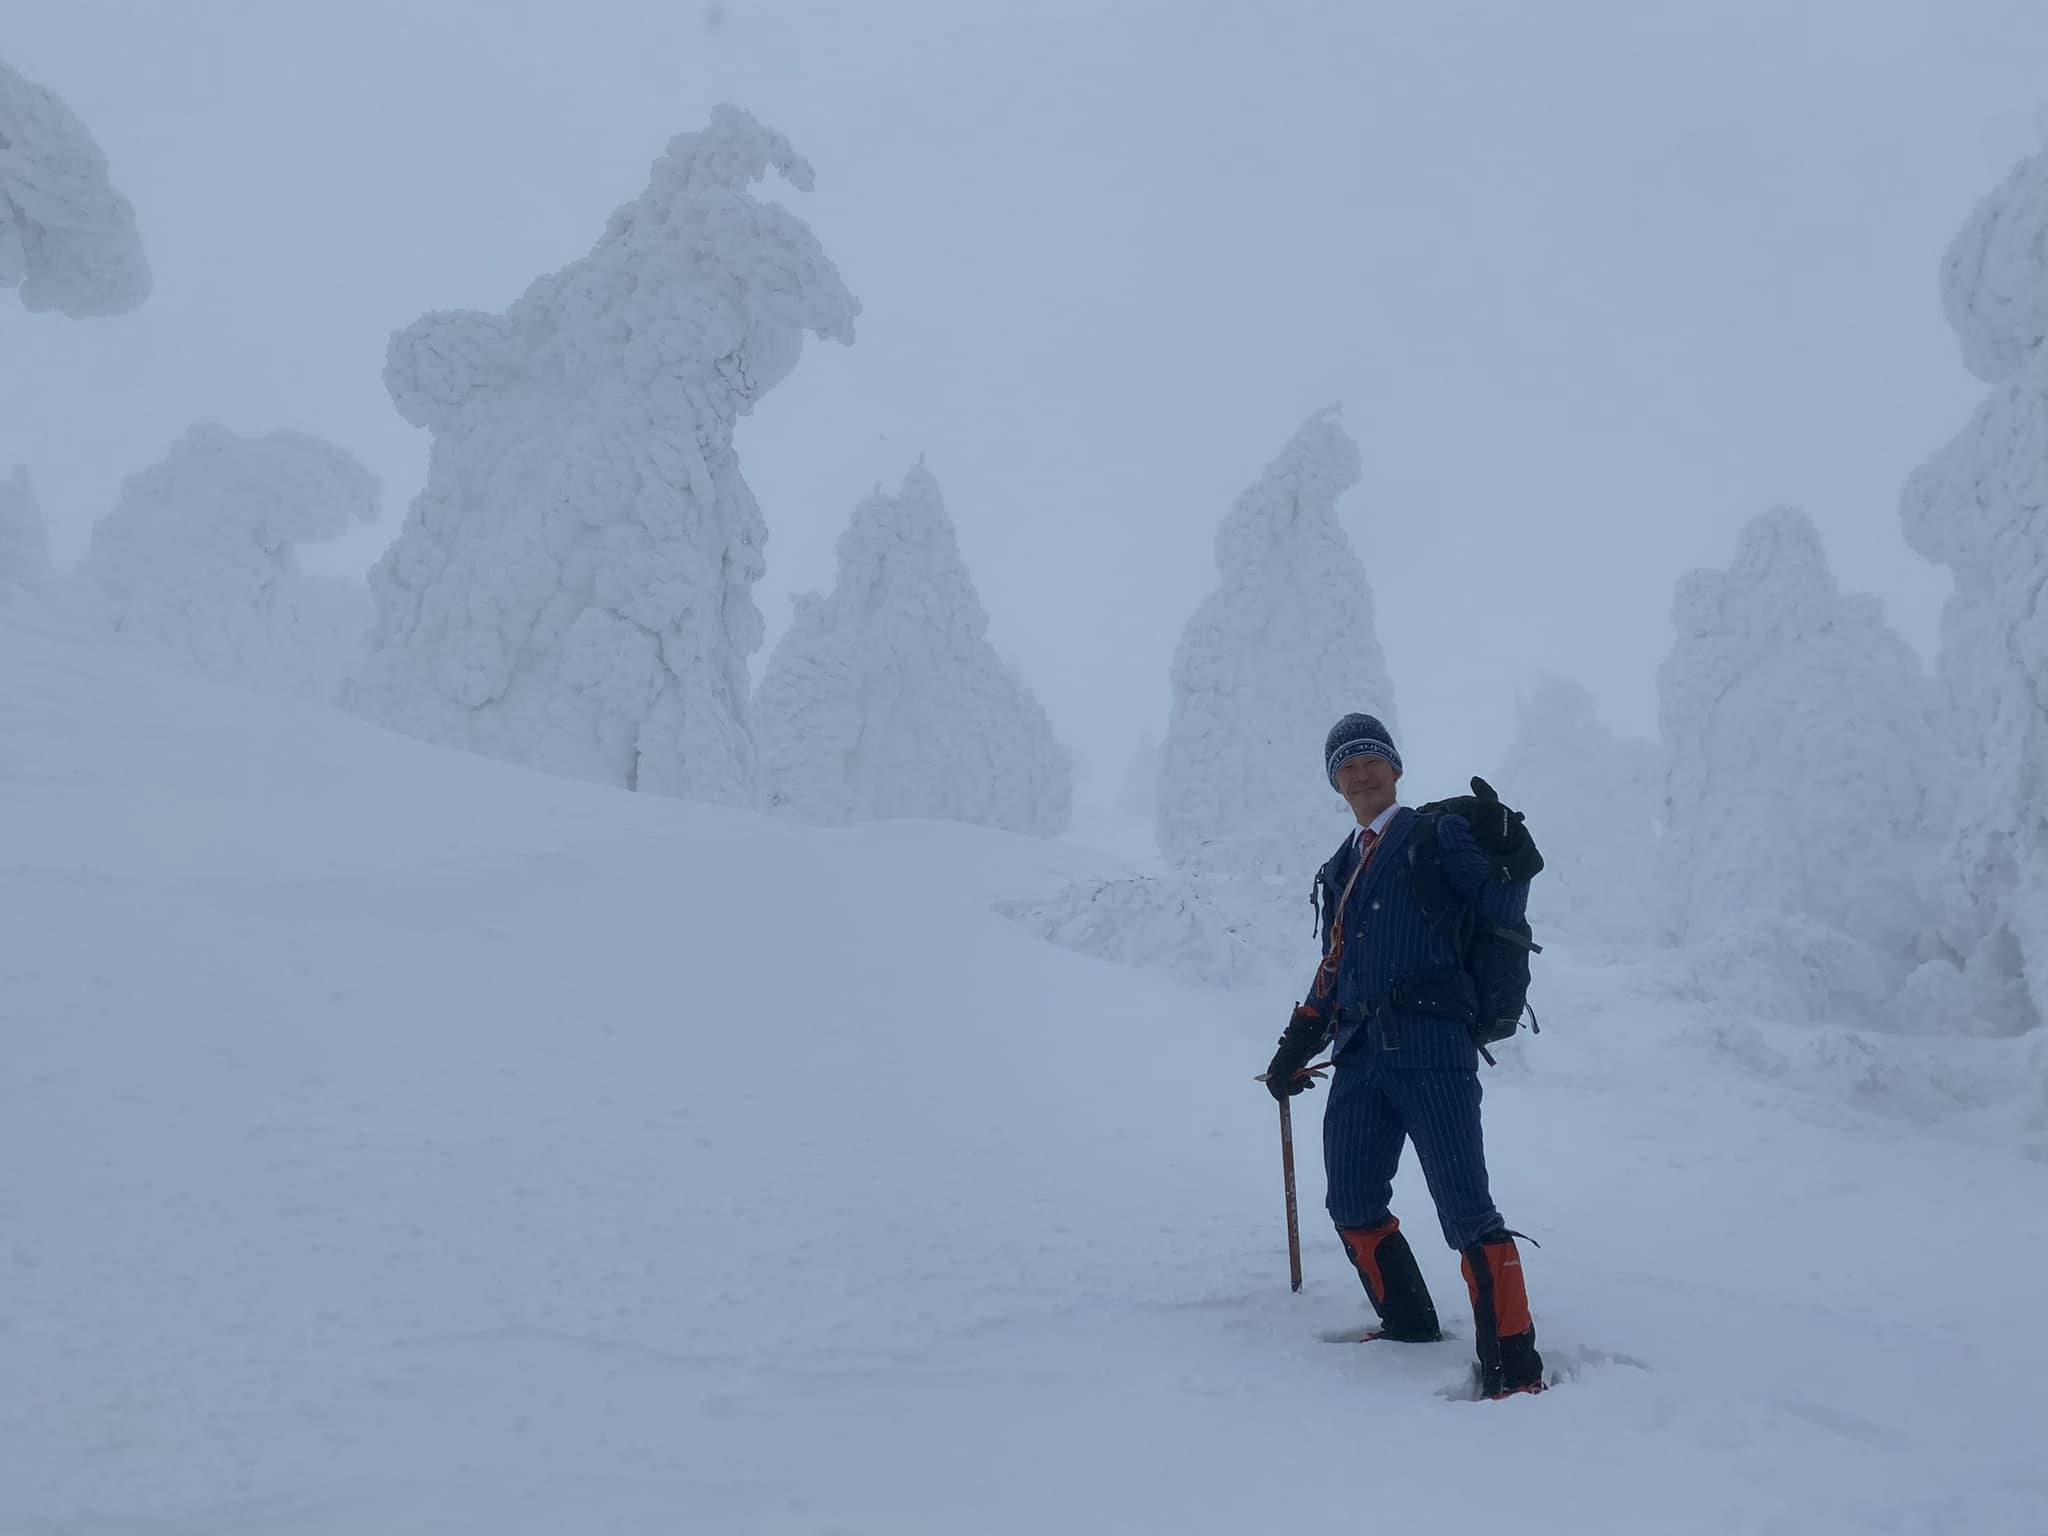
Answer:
(1402, 1075)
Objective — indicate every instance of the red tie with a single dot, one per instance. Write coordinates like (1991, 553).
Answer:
(1367, 841)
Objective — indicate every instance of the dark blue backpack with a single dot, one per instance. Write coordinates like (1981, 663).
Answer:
(1494, 957)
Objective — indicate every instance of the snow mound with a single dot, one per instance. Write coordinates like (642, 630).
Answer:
(1272, 658)
(574, 587)
(1922, 1080)
(198, 556)
(1212, 931)
(1980, 507)
(886, 699)
(24, 545)
(1802, 751)
(1788, 968)
(1593, 801)
(67, 238)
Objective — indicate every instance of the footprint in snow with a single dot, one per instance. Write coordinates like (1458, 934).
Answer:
(1560, 1365)
(1364, 1335)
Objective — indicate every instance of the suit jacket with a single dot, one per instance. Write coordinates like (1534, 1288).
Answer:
(1388, 938)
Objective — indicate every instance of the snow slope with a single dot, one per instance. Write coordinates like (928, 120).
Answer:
(399, 1141)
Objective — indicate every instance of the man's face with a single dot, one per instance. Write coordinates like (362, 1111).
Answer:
(1367, 785)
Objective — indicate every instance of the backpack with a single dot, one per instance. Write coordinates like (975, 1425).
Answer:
(1495, 958)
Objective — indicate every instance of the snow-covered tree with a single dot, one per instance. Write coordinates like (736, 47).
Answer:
(1802, 757)
(198, 556)
(24, 547)
(574, 587)
(1980, 507)
(1593, 800)
(1281, 649)
(886, 699)
(67, 238)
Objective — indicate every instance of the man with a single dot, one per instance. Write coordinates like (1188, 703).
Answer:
(1406, 1064)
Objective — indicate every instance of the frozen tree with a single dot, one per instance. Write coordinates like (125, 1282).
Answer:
(1992, 284)
(886, 699)
(67, 238)
(1271, 659)
(24, 548)
(574, 587)
(1802, 761)
(1593, 801)
(1980, 507)
(198, 556)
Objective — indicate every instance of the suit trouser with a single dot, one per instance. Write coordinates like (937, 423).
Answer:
(1372, 1109)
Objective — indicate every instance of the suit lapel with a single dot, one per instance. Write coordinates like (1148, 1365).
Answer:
(1384, 856)
(1337, 868)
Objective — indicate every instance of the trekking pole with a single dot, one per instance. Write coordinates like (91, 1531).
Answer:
(1287, 1176)
(1287, 1172)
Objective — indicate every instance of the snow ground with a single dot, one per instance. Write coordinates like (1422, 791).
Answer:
(399, 1141)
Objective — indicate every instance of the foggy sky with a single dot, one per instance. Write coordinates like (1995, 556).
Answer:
(1594, 283)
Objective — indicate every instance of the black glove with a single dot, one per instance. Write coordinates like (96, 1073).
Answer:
(1302, 1038)
(1500, 833)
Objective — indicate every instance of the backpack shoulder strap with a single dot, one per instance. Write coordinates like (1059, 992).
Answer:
(1432, 888)
(1322, 891)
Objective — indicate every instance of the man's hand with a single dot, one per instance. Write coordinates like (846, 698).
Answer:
(1494, 826)
(1499, 831)
(1302, 1038)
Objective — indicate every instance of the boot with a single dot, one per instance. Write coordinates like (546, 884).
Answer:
(1508, 1362)
(1393, 1283)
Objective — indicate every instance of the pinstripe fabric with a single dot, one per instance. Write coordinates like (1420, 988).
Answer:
(1401, 1075)
(1388, 939)
(1372, 1111)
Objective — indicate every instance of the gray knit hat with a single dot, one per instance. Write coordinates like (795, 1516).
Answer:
(1357, 736)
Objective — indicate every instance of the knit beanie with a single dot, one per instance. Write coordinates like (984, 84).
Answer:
(1357, 736)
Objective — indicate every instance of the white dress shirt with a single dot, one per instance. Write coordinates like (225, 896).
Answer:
(1378, 826)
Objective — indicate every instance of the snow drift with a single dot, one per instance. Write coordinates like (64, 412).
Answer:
(1980, 507)
(1281, 649)
(199, 557)
(574, 587)
(1206, 930)
(67, 238)
(885, 699)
